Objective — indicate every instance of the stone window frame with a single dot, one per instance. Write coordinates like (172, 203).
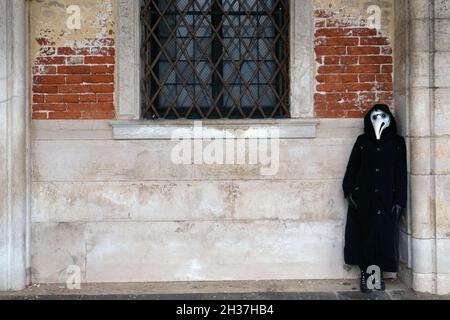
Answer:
(129, 123)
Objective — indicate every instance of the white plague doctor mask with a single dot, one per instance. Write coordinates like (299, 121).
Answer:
(380, 121)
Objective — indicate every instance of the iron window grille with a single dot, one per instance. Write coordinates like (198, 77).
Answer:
(215, 59)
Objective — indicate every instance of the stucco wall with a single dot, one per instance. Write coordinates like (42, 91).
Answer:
(123, 212)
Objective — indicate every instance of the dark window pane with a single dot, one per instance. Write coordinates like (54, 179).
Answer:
(215, 58)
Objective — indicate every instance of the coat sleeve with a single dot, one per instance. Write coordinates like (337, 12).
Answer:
(352, 168)
(401, 175)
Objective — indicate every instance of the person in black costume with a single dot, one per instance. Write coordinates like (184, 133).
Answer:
(375, 185)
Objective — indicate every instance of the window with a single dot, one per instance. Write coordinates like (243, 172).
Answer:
(215, 59)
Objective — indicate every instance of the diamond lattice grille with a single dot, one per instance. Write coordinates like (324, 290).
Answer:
(215, 59)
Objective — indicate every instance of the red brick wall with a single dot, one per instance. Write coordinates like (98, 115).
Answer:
(74, 82)
(354, 67)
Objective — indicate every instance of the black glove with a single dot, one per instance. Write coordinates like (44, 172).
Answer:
(398, 211)
(352, 202)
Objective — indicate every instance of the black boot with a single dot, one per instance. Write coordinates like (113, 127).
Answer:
(382, 283)
(363, 282)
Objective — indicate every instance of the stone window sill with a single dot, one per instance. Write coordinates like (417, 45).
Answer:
(168, 130)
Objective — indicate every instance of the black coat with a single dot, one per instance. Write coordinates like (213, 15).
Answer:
(376, 177)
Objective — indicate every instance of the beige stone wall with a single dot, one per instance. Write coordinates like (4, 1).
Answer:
(123, 212)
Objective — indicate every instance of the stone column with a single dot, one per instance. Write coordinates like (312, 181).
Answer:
(14, 164)
(401, 95)
(422, 231)
(441, 122)
(426, 74)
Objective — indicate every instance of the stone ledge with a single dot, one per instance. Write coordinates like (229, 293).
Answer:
(210, 129)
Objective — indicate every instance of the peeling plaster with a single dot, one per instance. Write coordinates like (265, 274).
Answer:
(356, 10)
(48, 23)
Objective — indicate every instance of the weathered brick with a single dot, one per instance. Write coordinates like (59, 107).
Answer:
(349, 60)
(38, 98)
(330, 51)
(88, 98)
(98, 79)
(360, 87)
(48, 79)
(71, 98)
(66, 87)
(45, 89)
(74, 70)
(336, 97)
(321, 13)
(68, 51)
(357, 32)
(64, 115)
(331, 69)
(96, 51)
(387, 69)
(348, 78)
(337, 41)
(74, 79)
(385, 95)
(99, 60)
(49, 107)
(107, 42)
(366, 77)
(320, 23)
(103, 88)
(367, 96)
(320, 105)
(386, 50)
(44, 70)
(373, 41)
(375, 60)
(331, 88)
(363, 50)
(102, 69)
(50, 60)
(54, 98)
(105, 97)
(333, 32)
(332, 60)
(363, 69)
(386, 86)
(76, 60)
(350, 83)
(73, 89)
(384, 78)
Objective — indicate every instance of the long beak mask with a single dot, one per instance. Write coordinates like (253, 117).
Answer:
(380, 121)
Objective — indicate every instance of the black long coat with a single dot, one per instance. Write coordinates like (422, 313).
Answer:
(376, 177)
